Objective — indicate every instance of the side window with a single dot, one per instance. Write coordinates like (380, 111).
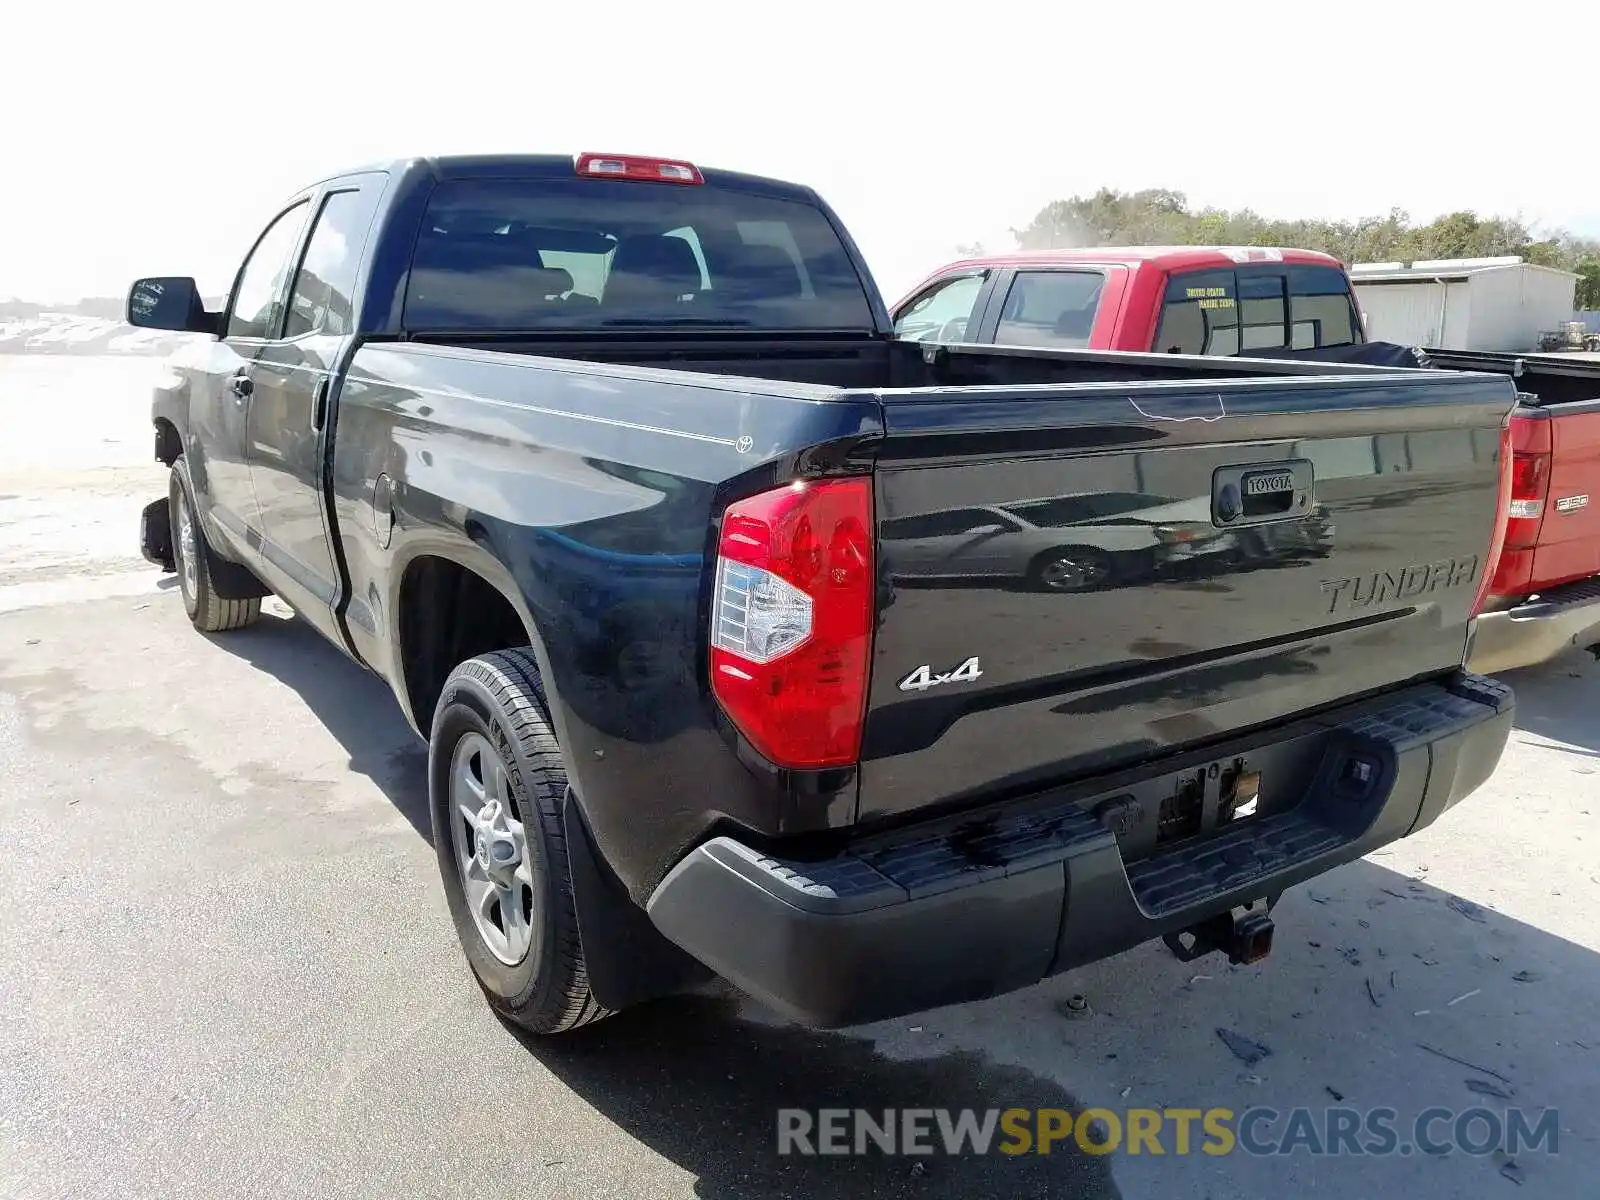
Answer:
(321, 299)
(1050, 308)
(943, 313)
(257, 302)
(1199, 314)
(1061, 511)
(1057, 512)
(950, 522)
(1115, 504)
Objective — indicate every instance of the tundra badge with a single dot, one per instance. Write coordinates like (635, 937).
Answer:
(924, 678)
(1403, 583)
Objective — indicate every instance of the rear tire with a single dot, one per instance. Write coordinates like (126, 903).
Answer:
(191, 558)
(496, 786)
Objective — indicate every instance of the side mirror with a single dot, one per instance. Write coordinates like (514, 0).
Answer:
(169, 302)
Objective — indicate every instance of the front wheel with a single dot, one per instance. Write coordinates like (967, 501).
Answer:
(496, 784)
(1071, 569)
(191, 558)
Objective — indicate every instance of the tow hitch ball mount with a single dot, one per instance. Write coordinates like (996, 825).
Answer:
(1244, 934)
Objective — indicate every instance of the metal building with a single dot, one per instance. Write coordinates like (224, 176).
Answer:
(1463, 303)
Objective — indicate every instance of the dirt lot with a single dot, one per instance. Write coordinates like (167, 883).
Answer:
(226, 968)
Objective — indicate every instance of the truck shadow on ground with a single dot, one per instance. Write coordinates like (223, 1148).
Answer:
(353, 704)
(703, 1087)
(1354, 1009)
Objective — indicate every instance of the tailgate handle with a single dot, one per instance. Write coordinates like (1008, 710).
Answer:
(1258, 493)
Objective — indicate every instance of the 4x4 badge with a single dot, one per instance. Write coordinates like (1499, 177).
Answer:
(924, 678)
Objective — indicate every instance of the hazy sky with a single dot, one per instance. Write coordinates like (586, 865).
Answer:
(155, 137)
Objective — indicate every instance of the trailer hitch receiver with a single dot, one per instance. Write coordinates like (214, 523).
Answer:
(1244, 934)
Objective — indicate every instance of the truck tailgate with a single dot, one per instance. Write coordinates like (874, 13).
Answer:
(1080, 578)
(1569, 536)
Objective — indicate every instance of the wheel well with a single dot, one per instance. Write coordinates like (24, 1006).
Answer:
(168, 444)
(448, 614)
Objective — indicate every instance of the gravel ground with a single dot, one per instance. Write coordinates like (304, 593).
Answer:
(226, 967)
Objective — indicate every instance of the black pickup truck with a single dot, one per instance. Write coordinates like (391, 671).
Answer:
(749, 640)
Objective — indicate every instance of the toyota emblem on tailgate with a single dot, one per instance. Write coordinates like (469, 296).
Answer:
(1268, 482)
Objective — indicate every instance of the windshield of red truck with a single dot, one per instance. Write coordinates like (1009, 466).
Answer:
(501, 255)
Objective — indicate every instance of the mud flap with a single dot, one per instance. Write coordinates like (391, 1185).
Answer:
(628, 959)
(155, 534)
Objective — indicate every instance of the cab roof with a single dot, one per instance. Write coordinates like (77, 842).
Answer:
(1169, 258)
(560, 166)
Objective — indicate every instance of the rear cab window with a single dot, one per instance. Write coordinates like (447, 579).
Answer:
(1255, 310)
(540, 254)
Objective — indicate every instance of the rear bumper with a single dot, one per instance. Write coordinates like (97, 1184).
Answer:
(983, 905)
(1538, 630)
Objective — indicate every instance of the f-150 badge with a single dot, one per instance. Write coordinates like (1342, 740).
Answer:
(924, 676)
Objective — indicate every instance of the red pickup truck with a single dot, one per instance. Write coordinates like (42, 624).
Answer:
(1216, 300)
(1545, 595)
(1284, 303)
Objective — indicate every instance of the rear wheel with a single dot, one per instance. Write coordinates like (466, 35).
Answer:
(1071, 569)
(191, 558)
(496, 783)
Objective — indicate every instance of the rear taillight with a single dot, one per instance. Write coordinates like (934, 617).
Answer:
(1530, 480)
(1502, 509)
(791, 620)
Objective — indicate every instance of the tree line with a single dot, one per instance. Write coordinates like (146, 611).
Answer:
(1162, 217)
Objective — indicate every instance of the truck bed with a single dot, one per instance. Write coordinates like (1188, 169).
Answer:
(1544, 379)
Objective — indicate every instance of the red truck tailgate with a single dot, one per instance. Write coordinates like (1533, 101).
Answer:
(1569, 539)
(1554, 534)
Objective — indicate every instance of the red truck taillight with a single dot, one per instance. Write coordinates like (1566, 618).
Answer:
(1523, 503)
(791, 620)
(1530, 481)
(1500, 540)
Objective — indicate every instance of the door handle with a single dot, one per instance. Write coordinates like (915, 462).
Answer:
(242, 385)
(1259, 493)
(319, 405)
